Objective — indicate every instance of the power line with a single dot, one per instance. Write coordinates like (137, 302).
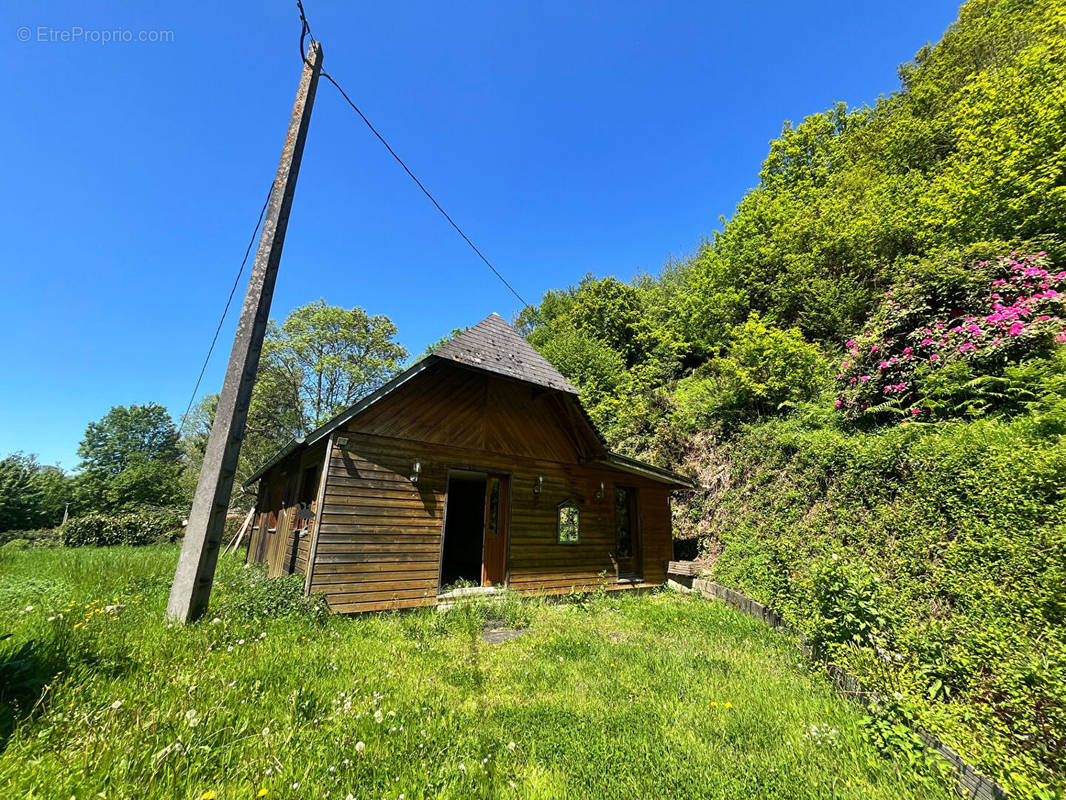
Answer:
(222, 319)
(305, 32)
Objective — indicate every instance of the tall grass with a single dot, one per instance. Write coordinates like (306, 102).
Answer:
(602, 696)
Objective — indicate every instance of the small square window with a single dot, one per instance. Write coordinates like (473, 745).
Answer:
(569, 523)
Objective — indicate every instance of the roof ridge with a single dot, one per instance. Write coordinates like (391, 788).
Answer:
(495, 346)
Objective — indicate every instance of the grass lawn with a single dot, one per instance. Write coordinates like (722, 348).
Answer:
(657, 695)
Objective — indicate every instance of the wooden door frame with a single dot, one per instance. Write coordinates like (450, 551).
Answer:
(472, 470)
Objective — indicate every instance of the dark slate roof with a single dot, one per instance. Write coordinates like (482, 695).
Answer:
(495, 346)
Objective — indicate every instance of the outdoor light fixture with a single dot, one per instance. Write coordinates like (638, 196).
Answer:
(538, 484)
(416, 471)
(602, 491)
(342, 441)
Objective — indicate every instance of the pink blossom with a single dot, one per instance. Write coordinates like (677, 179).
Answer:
(934, 357)
(927, 341)
(838, 403)
(845, 365)
(874, 349)
(840, 376)
(864, 378)
(999, 283)
(907, 351)
(850, 343)
(915, 412)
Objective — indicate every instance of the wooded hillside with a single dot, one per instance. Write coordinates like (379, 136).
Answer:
(866, 364)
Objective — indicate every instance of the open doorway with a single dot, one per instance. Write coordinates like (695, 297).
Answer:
(464, 528)
(477, 516)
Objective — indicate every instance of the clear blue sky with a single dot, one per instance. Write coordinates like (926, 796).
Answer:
(564, 137)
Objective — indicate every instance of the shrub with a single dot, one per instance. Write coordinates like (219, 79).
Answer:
(847, 608)
(43, 537)
(251, 595)
(134, 528)
(945, 335)
(765, 369)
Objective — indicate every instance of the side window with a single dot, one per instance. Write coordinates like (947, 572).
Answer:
(569, 522)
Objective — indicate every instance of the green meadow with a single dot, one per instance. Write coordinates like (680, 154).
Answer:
(655, 695)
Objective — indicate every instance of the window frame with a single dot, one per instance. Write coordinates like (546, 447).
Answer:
(569, 503)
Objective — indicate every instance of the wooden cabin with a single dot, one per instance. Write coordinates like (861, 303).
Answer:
(476, 466)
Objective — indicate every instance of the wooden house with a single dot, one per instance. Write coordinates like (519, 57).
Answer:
(475, 466)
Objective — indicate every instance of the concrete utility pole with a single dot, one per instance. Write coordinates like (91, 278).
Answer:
(203, 535)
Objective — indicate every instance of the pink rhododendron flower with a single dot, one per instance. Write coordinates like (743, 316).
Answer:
(838, 403)
(915, 412)
(927, 341)
(907, 351)
(864, 378)
(934, 357)
(850, 343)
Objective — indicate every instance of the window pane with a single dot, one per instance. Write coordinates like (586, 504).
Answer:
(569, 524)
(623, 522)
(494, 506)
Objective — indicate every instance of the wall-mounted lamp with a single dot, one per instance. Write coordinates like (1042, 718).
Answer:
(602, 491)
(537, 484)
(416, 471)
(342, 441)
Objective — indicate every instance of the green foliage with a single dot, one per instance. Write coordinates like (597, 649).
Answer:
(31, 495)
(135, 528)
(255, 597)
(327, 357)
(764, 370)
(848, 606)
(316, 363)
(130, 458)
(950, 559)
(946, 340)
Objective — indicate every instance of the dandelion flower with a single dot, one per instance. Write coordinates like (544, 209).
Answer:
(261, 793)
(208, 795)
(117, 704)
(360, 747)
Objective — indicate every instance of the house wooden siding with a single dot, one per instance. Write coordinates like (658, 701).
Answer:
(279, 538)
(378, 537)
